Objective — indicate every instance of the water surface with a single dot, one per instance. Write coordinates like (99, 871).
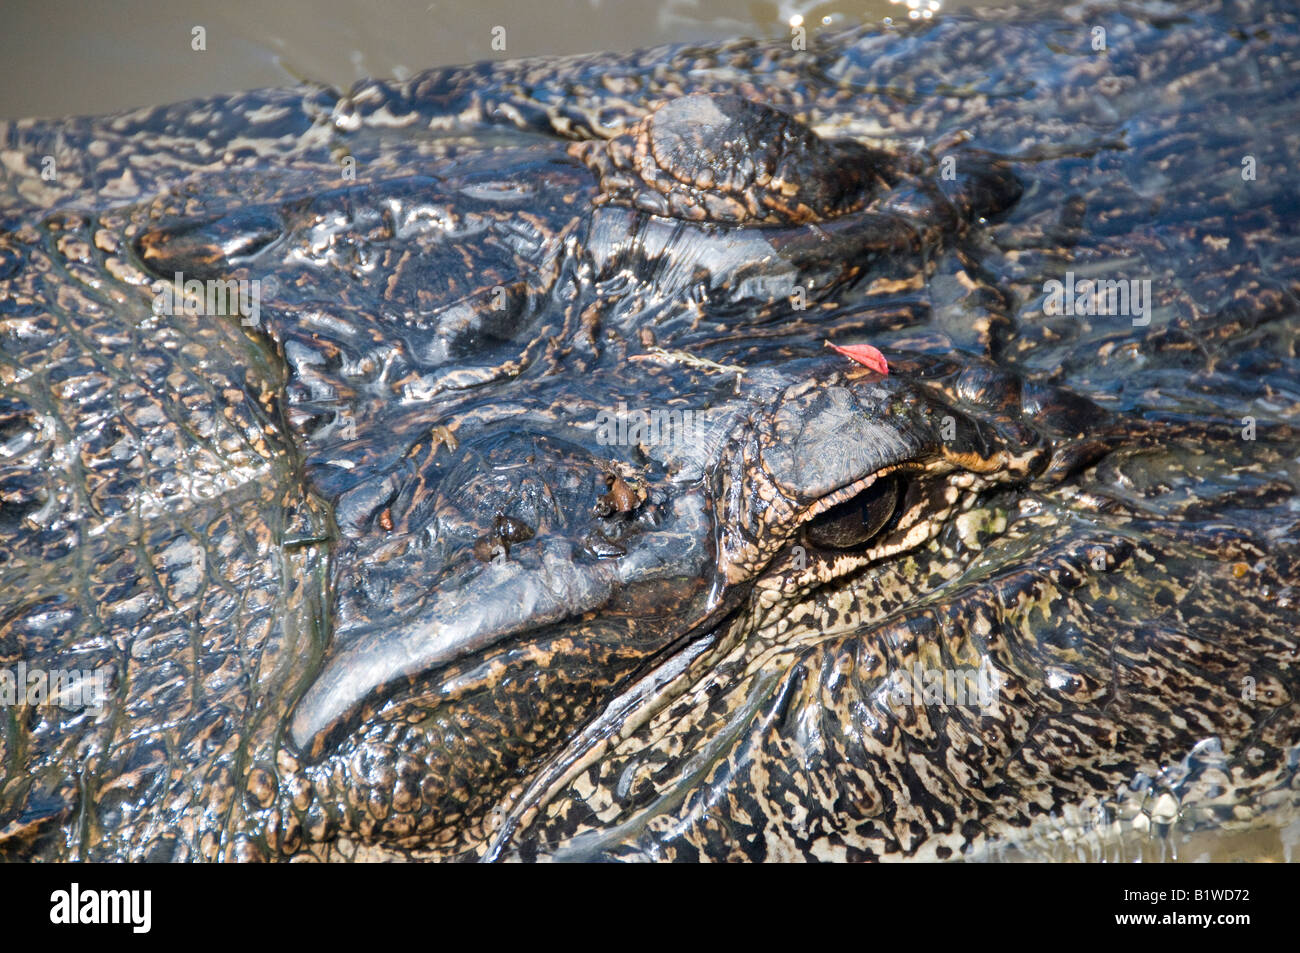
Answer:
(63, 57)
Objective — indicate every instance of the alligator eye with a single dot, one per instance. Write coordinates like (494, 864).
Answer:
(856, 521)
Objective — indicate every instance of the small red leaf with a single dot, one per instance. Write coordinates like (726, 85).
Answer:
(864, 354)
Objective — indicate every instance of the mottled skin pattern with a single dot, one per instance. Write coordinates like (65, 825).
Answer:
(370, 581)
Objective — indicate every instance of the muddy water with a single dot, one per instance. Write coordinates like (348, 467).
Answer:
(62, 57)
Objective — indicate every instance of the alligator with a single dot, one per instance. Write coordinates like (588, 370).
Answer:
(456, 468)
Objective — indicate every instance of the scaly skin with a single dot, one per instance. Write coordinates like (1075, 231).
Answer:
(370, 581)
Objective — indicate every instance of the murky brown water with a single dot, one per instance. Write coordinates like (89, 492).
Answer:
(63, 57)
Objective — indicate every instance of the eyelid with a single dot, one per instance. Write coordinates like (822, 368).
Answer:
(853, 490)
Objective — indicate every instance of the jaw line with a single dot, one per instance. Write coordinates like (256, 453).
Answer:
(502, 600)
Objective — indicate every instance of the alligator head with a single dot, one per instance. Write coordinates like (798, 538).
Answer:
(509, 571)
(535, 579)
(619, 560)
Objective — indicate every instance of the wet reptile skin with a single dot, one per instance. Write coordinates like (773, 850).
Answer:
(369, 582)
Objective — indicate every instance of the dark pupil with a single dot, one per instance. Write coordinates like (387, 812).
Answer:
(856, 521)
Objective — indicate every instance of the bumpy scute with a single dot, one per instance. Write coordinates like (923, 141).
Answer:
(526, 514)
(732, 161)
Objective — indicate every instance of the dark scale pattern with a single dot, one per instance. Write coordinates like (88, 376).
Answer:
(155, 492)
(519, 521)
(728, 160)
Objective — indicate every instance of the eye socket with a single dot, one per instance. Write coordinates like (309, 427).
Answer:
(856, 521)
